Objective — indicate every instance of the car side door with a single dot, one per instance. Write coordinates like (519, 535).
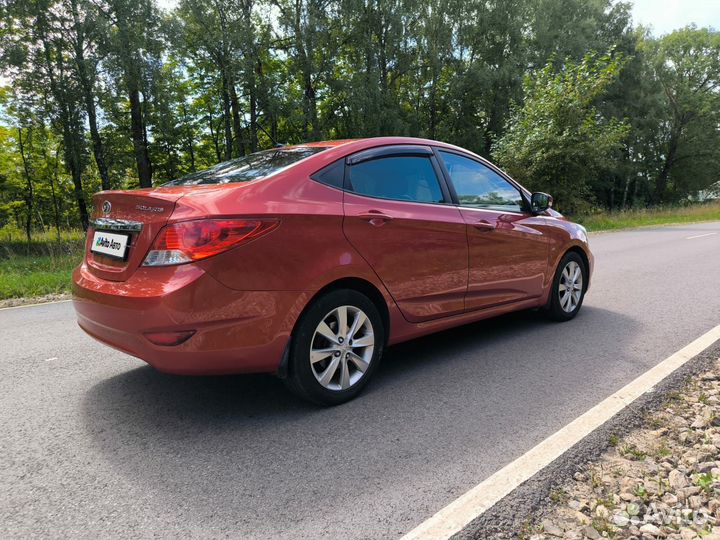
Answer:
(508, 257)
(399, 216)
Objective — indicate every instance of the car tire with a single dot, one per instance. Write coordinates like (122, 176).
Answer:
(332, 359)
(568, 288)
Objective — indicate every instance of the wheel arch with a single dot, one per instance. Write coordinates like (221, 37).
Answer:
(585, 259)
(360, 285)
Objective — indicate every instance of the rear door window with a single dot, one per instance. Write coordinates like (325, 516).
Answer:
(401, 178)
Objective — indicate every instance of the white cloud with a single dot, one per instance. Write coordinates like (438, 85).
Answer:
(167, 4)
(664, 16)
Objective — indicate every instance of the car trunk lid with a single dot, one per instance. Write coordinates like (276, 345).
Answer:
(139, 215)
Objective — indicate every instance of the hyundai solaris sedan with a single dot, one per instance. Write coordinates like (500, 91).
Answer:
(307, 261)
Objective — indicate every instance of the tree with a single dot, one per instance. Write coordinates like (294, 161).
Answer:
(211, 37)
(84, 29)
(558, 141)
(113, 93)
(133, 44)
(37, 53)
(687, 68)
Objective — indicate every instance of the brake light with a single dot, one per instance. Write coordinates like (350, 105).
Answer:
(189, 241)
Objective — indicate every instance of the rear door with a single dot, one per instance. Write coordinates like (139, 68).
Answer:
(508, 246)
(399, 217)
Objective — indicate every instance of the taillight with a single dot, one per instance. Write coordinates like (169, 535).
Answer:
(189, 241)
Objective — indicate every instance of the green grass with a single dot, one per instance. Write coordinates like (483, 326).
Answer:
(626, 219)
(44, 266)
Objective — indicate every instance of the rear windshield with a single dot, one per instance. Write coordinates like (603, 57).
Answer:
(247, 168)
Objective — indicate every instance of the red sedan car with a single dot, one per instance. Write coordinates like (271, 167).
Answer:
(307, 261)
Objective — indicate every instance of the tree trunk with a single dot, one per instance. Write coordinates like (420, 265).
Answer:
(625, 191)
(189, 138)
(53, 181)
(98, 151)
(29, 195)
(237, 125)
(253, 117)
(138, 136)
(433, 105)
(73, 161)
(87, 86)
(214, 136)
(226, 120)
(310, 106)
(662, 178)
(131, 67)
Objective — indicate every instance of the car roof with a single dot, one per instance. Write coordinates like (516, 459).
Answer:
(369, 142)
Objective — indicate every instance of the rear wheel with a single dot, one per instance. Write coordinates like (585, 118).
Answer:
(335, 348)
(568, 288)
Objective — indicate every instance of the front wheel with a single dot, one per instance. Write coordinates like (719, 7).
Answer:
(335, 348)
(568, 288)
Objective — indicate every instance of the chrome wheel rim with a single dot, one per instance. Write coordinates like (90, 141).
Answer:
(342, 348)
(570, 288)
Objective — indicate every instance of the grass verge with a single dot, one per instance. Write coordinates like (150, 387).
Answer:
(40, 267)
(627, 219)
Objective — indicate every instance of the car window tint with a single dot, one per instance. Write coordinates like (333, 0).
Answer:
(479, 186)
(332, 175)
(248, 168)
(403, 178)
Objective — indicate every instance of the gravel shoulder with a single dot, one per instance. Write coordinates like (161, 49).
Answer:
(653, 471)
(32, 300)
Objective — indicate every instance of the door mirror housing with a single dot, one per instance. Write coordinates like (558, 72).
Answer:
(539, 202)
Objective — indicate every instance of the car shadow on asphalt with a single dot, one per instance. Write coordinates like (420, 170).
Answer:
(219, 444)
(525, 336)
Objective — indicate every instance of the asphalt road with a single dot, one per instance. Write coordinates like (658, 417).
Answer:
(94, 444)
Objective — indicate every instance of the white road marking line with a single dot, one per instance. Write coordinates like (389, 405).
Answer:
(459, 513)
(51, 359)
(37, 304)
(700, 235)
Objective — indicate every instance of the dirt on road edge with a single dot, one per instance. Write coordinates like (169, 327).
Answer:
(32, 300)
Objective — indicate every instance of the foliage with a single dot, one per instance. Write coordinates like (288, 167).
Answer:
(558, 141)
(105, 94)
(604, 220)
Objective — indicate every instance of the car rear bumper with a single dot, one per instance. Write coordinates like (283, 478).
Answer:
(235, 331)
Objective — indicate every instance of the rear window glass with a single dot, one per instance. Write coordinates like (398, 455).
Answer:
(247, 168)
(403, 178)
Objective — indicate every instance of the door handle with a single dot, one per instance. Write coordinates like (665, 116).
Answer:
(375, 218)
(484, 225)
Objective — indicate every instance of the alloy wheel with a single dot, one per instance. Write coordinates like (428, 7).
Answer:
(342, 348)
(571, 286)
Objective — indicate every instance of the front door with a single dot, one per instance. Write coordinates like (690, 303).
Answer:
(508, 247)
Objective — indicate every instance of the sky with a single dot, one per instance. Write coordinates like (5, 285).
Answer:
(664, 16)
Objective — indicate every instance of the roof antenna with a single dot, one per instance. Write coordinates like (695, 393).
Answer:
(275, 143)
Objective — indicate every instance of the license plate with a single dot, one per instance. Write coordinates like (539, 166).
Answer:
(110, 244)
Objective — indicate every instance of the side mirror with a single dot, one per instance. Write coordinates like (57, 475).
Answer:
(539, 202)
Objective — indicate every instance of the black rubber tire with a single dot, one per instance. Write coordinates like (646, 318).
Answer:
(554, 309)
(300, 378)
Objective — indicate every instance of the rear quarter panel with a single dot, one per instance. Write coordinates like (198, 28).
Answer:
(305, 252)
